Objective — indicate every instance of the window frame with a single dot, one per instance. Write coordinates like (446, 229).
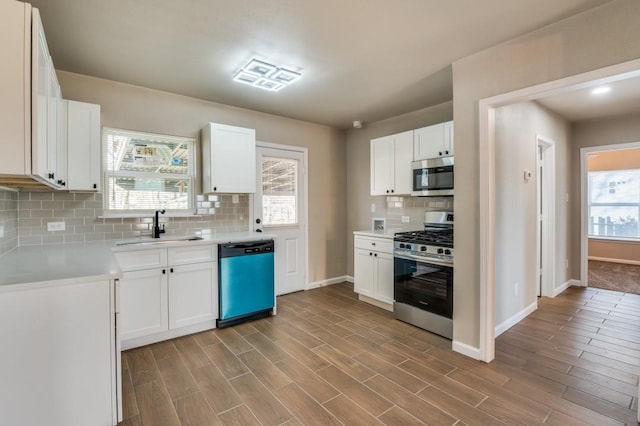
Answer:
(190, 176)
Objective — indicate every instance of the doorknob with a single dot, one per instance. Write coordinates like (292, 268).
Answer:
(258, 220)
(258, 230)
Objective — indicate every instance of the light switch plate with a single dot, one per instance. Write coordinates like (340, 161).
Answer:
(235, 199)
(406, 219)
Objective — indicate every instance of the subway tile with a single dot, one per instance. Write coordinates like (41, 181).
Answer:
(72, 204)
(29, 205)
(30, 241)
(63, 196)
(41, 196)
(52, 205)
(53, 239)
(42, 214)
(29, 222)
(73, 238)
(85, 213)
(94, 237)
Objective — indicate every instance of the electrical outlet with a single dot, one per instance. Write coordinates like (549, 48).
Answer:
(1, 231)
(516, 288)
(373, 208)
(405, 219)
(55, 226)
(235, 198)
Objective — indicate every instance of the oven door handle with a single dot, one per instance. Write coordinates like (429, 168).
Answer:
(422, 259)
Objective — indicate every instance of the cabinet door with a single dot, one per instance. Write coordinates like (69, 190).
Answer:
(428, 142)
(143, 303)
(448, 138)
(193, 294)
(382, 165)
(53, 97)
(384, 277)
(403, 155)
(83, 137)
(40, 75)
(363, 272)
(229, 159)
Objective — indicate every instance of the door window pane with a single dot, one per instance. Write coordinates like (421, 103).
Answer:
(279, 191)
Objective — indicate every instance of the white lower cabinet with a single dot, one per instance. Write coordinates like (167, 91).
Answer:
(59, 360)
(176, 295)
(143, 303)
(193, 294)
(373, 270)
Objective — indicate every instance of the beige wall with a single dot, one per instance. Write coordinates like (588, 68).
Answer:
(517, 127)
(598, 38)
(358, 172)
(602, 132)
(137, 108)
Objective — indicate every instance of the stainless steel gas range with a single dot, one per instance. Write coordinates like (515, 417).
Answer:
(423, 275)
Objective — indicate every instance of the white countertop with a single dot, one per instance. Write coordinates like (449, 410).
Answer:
(58, 264)
(208, 238)
(61, 264)
(382, 233)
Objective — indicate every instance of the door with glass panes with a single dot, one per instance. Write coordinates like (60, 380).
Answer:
(279, 209)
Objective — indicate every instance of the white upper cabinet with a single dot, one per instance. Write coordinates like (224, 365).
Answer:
(30, 99)
(391, 158)
(84, 152)
(433, 141)
(228, 159)
(46, 97)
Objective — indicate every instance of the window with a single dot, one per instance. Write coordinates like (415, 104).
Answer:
(614, 203)
(279, 191)
(145, 171)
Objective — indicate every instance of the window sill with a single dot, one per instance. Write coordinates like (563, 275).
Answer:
(614, 239)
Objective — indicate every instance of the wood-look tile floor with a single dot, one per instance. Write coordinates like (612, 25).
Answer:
(327, 358)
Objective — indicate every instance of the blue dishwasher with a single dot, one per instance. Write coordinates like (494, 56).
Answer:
(246, 281)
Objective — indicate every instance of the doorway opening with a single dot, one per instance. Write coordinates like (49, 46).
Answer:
(610, 233)
(487, 156)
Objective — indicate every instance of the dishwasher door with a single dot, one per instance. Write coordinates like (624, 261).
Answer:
(246, 280)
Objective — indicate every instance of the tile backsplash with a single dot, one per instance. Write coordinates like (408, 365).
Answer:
(8, 221)
(81, 213)
(414, 208)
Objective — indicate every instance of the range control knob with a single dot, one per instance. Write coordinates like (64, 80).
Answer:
(423, 248)
(440, 251)
(401, 245)
(447, 251)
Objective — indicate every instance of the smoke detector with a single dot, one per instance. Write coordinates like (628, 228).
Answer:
(357, 124)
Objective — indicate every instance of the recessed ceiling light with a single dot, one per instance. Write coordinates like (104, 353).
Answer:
(266, 76)
(601, 90)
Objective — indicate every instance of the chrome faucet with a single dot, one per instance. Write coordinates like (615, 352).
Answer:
(156, 225)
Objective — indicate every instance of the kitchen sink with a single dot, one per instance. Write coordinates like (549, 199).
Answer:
(157, 241)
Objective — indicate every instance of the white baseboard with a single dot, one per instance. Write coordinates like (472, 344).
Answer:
(374, 302)
(514, 319)
(330, 281)
(464, 349)
(350, 279)
(563, 287)
(606, 259)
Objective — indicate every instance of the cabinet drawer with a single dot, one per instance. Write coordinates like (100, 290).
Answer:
(369, 243)
(192, 254)
(143, 259)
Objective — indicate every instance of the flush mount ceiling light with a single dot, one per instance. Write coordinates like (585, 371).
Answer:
(601, 90)
(266, 76)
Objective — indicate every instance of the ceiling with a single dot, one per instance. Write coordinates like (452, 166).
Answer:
(582, 105)
(360, 59)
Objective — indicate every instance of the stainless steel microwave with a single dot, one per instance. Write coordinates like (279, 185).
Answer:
(433, 177)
